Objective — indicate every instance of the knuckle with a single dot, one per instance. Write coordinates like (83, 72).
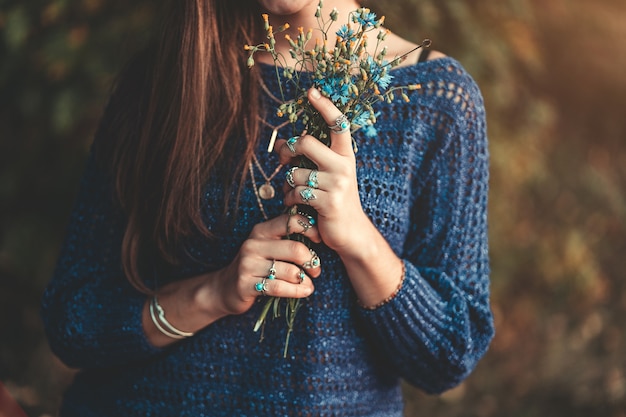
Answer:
(303, 253)
(245, 265)
(342, 180)
(256, 230)
(333, 204)
(292, 272)
(247, 247)
(296, 247)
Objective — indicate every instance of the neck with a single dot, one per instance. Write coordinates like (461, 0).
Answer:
(305, 18)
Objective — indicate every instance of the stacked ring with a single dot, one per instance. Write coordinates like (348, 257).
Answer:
(289, 177)
(342, 125)
(305, 226)
(310, 218)
(312, 182)
(307, 195)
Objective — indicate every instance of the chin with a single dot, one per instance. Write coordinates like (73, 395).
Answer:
(286, 7)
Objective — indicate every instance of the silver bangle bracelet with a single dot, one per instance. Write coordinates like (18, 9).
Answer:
(161, 323)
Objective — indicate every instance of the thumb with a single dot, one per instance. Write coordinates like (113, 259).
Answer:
(340, 142)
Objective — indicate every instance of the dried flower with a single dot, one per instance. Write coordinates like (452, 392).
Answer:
(348, 74)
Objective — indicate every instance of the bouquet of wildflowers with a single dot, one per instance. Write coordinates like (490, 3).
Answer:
(353, 78)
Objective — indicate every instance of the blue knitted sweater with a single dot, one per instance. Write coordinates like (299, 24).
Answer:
(423, 175)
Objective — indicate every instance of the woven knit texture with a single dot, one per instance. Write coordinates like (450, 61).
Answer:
(423, 176)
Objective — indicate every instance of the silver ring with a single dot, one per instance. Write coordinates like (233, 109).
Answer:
(342, 125)
(307, 195)
(289, 177)
(312, 182)
(310, 218)
(314, 262)
(272, 272)
(291, 143)
(305, 226)
(261, 286)
(301, 276)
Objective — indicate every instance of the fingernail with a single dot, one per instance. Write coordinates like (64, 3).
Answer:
(315, 93)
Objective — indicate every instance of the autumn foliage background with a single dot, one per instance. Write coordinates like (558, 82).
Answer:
(552, 73)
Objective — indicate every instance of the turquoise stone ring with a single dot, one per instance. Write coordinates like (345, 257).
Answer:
(307, 195)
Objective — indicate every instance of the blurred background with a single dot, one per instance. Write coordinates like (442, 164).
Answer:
(552, 74)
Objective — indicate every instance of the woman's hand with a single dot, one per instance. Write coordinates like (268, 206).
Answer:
(332, 190)
(265, 264)
(263, 253)
(342, 222)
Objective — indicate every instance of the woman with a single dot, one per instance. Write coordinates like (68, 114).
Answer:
(169, 255)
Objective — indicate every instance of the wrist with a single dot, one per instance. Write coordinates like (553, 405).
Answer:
(375, 271)
(182, 308)
(206, 296)
(363, 242)
(348, 235)
(196, 300)
(389, 297)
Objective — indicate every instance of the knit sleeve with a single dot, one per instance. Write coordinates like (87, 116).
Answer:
(92, 315)
(440, 324)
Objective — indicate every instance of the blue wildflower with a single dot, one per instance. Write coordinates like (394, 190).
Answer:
(384, 80)
(335, 88)
(345, 33)
(366, 19)
(360, 117)
(370, 131)
(379, 73)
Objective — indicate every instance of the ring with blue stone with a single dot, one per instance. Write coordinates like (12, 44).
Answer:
(342, 125)
(261, 286)
(314, 262)
(291, 143)
(307, 195)
(310, 218)
(312, 182)
(272, 272)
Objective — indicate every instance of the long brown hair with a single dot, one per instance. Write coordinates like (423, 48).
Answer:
(195, 94)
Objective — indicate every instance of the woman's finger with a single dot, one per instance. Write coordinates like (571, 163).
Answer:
(284, 289)
(306, 195)
(303, 223)
(284, 271)
(308, 177)
(284, 225)
(341, 139)
(257, 255)
(308, 146)
(284, 279)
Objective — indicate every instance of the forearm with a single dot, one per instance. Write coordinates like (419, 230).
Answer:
(374, 269)
(189, 305)
(180, 303)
